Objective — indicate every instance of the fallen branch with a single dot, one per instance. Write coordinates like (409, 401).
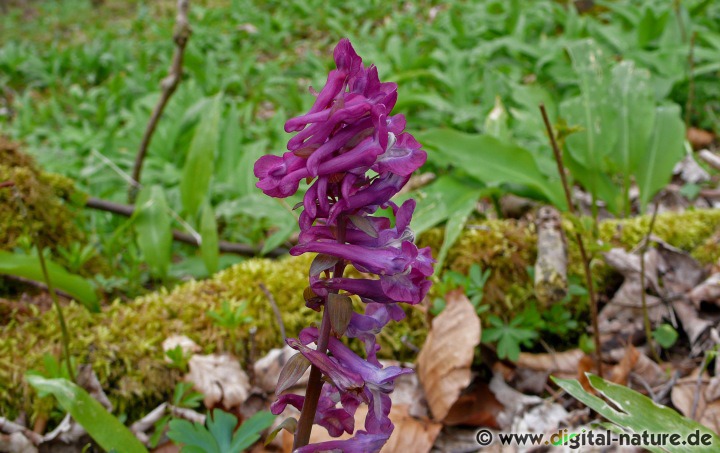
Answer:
(168, 85)
(224, 246)
(275, 308)
(551, 263)
(710, 158)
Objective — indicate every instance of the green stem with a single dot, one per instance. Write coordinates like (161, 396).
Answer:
(643, 297)
(61, 318)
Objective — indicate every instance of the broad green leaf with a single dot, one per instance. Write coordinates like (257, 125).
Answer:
(635, 103)
(591, 111)
(637, 413)
(664, 151)
(492, 161)
(102, 426)
(28, 266)
(230, 149)
(198, 169)
(154, 229)
(209, 233)
(221, 426)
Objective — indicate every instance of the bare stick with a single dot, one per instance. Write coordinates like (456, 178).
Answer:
(643, 296)
(578, 238)
(275, 308)
(224, 246)
(168, 85)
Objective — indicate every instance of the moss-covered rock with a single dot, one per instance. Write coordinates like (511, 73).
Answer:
(37, 204)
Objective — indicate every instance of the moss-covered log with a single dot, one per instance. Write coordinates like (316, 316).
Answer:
(124, 341)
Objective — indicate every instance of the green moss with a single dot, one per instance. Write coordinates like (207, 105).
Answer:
(37, 204)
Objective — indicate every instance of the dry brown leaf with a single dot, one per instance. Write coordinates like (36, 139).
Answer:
(699, 138)
(220, 379)
(476, 407)
(445, 359)
(561, 364)
(620, 372)
(707, 291)
(707, 411)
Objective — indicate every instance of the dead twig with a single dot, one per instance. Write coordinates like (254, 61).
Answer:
(275, 308)
(168, 85)
(224, 246)
(578, 239)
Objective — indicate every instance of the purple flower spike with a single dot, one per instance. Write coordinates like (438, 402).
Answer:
(356, 157)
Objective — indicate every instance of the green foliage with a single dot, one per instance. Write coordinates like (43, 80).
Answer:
(230, 317)
(102, 426)
(154, 231)
(219, 435)
(27, 266)
(634, 412)
(199, 164)
(510, 336)
(665, 335)
(473, 285)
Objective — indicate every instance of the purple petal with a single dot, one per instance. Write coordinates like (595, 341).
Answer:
(363, 442)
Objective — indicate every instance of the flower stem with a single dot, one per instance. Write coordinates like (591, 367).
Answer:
(314, 386)
(61, 318)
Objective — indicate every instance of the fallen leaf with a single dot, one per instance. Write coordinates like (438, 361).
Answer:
(690, 171)
(562, 364)
(477, 406)
(707, 411)
(220, 379)
(515, 403)
(620, 372)
(707, 291)
(699, 138)
(186, 345)
(445, 359)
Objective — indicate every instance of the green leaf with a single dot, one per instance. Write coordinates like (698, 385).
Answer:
(635, 103)
(244, 177)
(492, 161)
(153, 228)
(250, 430)
(194, 435)
(455, 225)
(664, 151)
(27, 266)
(198, 169)
(209, 246)
(665, 335)
(636, 412)
(102, 426)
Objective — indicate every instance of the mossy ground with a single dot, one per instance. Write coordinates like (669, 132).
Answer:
(37, 205)
(124, 341)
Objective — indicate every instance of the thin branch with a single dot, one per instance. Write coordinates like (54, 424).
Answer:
(224, 246)
(168, 85)
(275, 308)
(579, 239)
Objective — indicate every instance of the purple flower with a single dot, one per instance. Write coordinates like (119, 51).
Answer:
(356, 156)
